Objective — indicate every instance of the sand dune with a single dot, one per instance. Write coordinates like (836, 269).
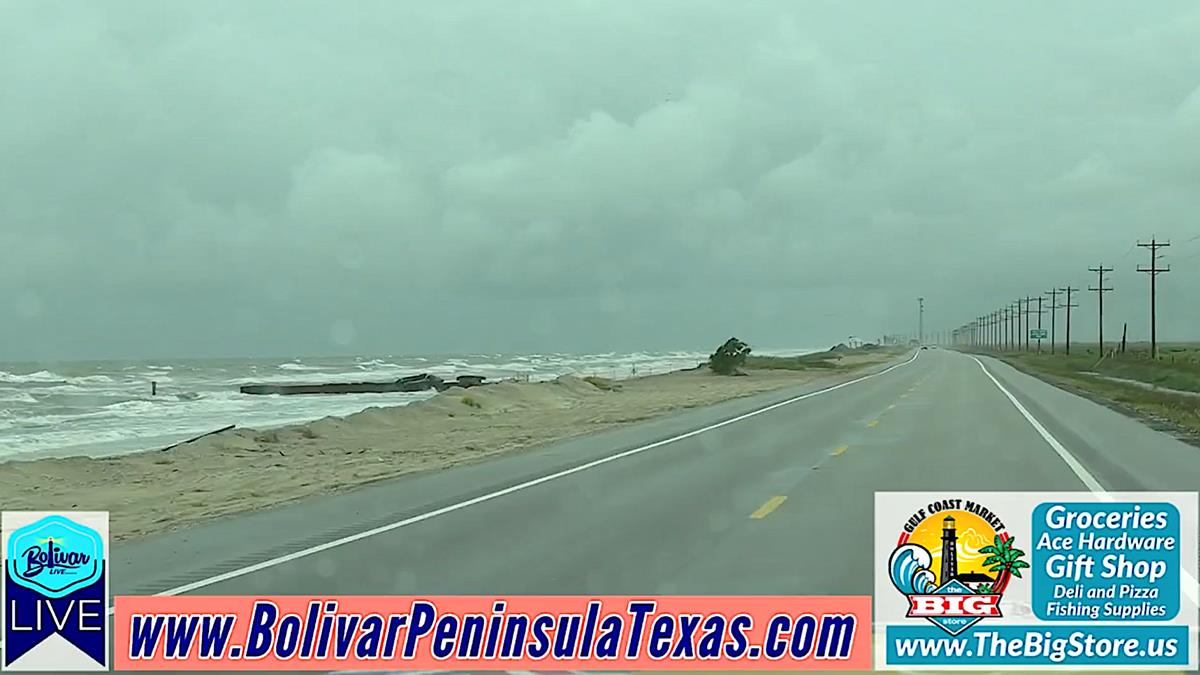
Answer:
(246, 469)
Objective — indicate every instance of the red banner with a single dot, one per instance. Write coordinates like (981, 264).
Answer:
(545, 633)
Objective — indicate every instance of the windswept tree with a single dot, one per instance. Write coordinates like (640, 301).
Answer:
(729, 357)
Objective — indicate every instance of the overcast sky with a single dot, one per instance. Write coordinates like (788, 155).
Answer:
(233, 178)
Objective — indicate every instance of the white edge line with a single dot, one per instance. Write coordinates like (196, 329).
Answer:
(303, 553)
(1189, 586)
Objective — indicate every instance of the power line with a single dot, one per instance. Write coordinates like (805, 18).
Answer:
(1154, 270)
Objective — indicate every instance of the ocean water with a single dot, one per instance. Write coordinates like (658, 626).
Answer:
(103, 408)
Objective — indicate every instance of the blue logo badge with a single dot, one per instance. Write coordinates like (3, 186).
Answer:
(55, 557)
(55, 582)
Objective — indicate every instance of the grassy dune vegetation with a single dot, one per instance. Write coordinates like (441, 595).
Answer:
(1165, 391)
(838, 358)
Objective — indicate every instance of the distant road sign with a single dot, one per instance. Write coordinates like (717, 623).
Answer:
(1037, 333)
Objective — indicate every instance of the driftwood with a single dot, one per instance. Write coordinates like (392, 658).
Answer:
(210, 433)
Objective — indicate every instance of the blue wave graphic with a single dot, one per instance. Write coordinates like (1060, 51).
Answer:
(909, 568)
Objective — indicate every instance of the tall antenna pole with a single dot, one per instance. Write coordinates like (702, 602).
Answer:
(1100, 290)
(1154, 270)
(920, 321)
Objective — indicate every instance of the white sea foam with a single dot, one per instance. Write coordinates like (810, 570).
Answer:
(39, 376)
(296, 366)
(48, 377)
(105, 409)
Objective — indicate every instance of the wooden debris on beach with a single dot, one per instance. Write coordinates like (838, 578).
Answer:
(196, 438)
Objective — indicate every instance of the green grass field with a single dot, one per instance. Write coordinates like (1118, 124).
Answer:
(1132, 380)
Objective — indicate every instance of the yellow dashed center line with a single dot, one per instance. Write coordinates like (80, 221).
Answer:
(873, 423)
(839, 450)
(766, 509)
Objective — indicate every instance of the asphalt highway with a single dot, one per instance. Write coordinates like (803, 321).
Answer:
(738, 504)
(766, 495)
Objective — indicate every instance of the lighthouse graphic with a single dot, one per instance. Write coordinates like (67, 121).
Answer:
(949, 551)
(972, 580)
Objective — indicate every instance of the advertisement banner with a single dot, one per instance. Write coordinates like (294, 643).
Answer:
(1025, 580)
(512, 633)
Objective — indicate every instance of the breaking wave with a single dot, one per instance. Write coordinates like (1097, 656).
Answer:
(909, 569)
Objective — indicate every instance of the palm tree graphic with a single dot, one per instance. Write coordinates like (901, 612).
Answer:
(1005, 560)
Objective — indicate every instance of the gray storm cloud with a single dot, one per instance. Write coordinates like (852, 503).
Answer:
(224, 178)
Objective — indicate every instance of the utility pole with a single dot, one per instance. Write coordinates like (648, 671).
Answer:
(1029, 310)
(1053, 293)
(1020, 305)
(1012, 326)
(1039, 313)
(1017, 333)
(1007, 327)
(1154, 270)
(1015, 308)
(1003, 328)
(920, 321)
(1068, 290)
(1100, 290)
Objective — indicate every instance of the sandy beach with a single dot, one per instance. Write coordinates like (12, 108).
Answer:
(245, 469)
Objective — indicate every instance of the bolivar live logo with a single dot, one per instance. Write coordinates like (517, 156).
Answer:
(975, 558)
(55, 593)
